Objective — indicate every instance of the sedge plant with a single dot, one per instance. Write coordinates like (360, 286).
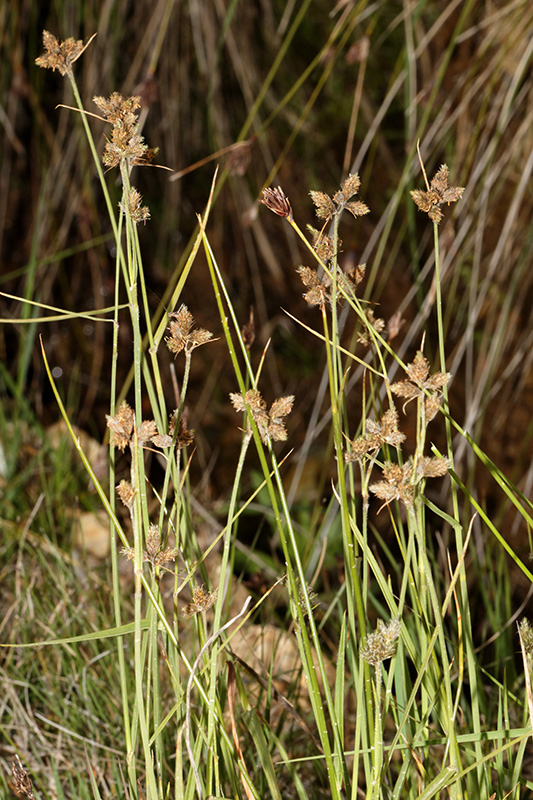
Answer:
(405, 674)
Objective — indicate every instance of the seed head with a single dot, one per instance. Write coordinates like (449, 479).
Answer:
(201, 601)
(126, 143)
(134, 209)
(21, 779)
(121, 426)
(126, 493)
(181, 336)
(327, 208)
(438, 193)
(377, 434)
(372, 323)
(184, 436)
(381, 644)
(278, 202)
(422, 384)
(269, 423)
(59, 56)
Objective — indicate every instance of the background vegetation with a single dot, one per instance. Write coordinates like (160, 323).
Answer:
(314, 91)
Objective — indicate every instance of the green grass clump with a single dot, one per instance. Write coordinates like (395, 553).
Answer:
(341, 620)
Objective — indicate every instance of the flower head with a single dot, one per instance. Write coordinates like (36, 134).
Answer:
(277, 201)
(269, 423)
(421, 384)
(126, 143)
(437, 194)
(59, 56)
(182, 337)
(327, 208)
(377, 434)
(381, 643)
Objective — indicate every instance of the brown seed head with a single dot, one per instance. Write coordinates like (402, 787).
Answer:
(134, 209)
(59, 56)
(421, 382)
(201, 601)
(21, 779)
(126, 493)
(439, 193)
(121, 426)
(269, 423)
(181, 336)
(277, 201)
(125, 143)
(326, 208)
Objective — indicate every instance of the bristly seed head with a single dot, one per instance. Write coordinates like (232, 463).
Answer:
(134, 209)
(21, 779)
(278, 202)
(438, 193)
(401, 480)
(59, 56)
(201, 601)
(126, 143)
(269, 423)
(122, 427)
(181, 336)
(327, 208)
(377, 434)
(381, 644)
(421, 384)
(126, 493)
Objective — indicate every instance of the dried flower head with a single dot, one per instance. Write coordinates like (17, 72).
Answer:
(401, 480)
(126, 493)
(397, 485)
(327, 208)
(201, 601)
(371, 324)
(147, 431)
(277, 201)
(381, 644)
(269, 423)
(154, 553)
(21, 779)
(121, 426)
(428, 467)
(126, 143)
(133, 208)
(352, 277)
(318, 289)
(377, 434)
(181, 336)
(59, 56)
(184, 436)
(437, 194)
(421, 384)
(162, 440)
(324, 207)
(323, 245)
